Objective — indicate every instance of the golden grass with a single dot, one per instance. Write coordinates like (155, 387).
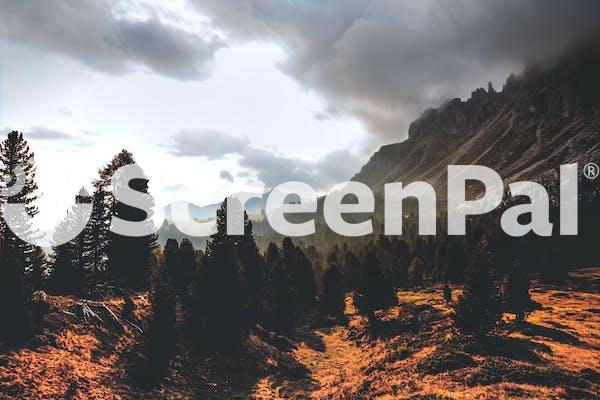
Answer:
(83, 360)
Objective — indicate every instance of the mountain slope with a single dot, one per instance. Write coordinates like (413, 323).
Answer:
(546, 117)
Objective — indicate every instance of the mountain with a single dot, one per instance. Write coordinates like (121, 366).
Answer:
(253, 206)
(547, 116)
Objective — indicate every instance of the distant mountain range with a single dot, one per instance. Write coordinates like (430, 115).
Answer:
(253, 206)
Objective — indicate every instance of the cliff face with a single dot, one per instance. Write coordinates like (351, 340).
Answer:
(548, 116)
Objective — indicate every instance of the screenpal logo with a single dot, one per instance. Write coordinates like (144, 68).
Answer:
(334, 207)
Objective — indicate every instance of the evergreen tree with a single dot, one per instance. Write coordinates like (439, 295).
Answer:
(186, 268)
(161, 334)
(279, 310)
(447, 293)
(128, 258)
(219, 305)
(38, 273)
(69, 263)
(252, 267)
(376, 292)
(333, 296)
(301, 274)
(170, 260)
(477, 310)
(13, 297)
(456, 261)
(553, 270)
(16, 157)
(415, 272)
(96, 235)
(516, 291)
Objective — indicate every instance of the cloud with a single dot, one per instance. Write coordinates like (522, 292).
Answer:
(273, 169)
(91, 32)
(51, 135)
(205, 143)
(42, 133)
(386, 61)
(266, 166)
(65, 111)
(225, 175)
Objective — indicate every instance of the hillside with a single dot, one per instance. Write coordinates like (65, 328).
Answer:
(417, 355)
(547, 116)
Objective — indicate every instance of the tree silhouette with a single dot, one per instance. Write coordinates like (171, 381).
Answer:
(39, 270)
(301, 274)
(69, 262)
(96, 234)
(161, 334)
(477, 310)
(186, 268)
(252, 266)
(219, 316)
(16, 156)
(375, 291)
(128, 258)
(415, 272)
(279, 310)
(516, 291)
(13, 297)
(333, 296)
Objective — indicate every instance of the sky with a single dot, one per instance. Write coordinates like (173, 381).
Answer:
(215, 97)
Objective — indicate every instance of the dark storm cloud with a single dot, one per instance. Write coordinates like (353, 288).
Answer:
(386, 61)
(205, 143)
(225, 175)
(90, 32)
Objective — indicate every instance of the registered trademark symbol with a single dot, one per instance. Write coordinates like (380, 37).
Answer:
(591, 170)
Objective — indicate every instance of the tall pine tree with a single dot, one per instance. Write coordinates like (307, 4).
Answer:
(375, 291)
(16, 157)
(218, 309)
(333, 296)
(128, 258)
(478, 308)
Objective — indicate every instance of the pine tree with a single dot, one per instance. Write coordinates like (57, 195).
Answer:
(376, 292)
(70, 262)
(447, 293)
(186, 268)
(553, 270)
(415, 272)
(456, 261)
(161, 334)
(65, 277)
(16, 327)
(219, 304)
(252, 267)
(516, 292)
(170, 260)
(96, 235)
(128, 258)
(478, 310)
(301, 274)
(37, 275)
(333, 300)
(15, 157)
(279, 309)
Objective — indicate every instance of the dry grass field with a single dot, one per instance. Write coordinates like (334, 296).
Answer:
(414, 354)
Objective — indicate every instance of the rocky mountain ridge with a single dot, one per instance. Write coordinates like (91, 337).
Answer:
(547, 116)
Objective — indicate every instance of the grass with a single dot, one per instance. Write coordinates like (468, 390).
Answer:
(417, 355)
